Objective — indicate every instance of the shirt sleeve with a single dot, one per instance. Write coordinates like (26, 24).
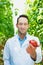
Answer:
(6, 55)
(38, 53)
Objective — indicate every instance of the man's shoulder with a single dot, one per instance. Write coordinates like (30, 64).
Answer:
(32, 36)
(12, 39)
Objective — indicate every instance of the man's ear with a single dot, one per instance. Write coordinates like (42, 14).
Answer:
(28, 25)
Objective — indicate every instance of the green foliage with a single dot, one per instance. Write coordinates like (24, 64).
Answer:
(16, 11)
(6, 22)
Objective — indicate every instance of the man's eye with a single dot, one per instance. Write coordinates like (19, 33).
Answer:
(25, 24)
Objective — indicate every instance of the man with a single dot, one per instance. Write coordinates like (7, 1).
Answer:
(18, 50)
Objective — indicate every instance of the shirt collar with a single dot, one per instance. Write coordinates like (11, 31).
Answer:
(20, 38)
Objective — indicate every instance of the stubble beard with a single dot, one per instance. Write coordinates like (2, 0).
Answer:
(21, 33)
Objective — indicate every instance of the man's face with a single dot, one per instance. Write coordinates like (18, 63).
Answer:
(22, 25)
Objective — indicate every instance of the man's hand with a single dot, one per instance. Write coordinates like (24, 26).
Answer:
(31, 50)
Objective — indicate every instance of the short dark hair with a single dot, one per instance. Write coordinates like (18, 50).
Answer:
(22, 16)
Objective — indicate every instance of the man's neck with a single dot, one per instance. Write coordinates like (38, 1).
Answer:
(21, 35)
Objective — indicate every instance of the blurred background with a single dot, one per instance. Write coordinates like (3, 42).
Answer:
(10, 10)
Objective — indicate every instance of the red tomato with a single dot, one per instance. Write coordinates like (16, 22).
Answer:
(34, 43)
